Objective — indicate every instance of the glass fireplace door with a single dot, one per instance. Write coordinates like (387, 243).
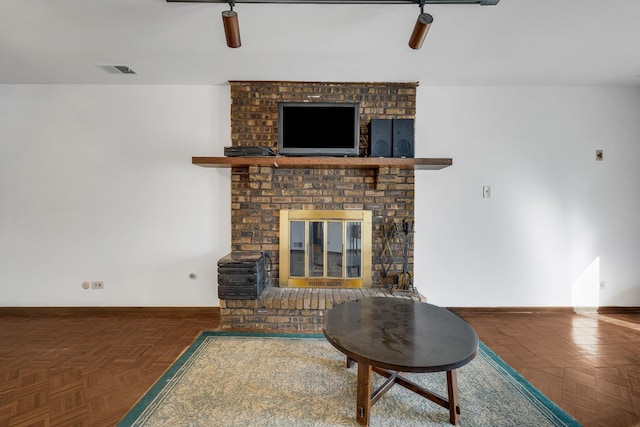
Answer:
(326, 249)
(323, 253)
(353, 254)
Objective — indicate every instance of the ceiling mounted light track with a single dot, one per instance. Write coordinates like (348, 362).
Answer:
(420, 30)
(480, 2)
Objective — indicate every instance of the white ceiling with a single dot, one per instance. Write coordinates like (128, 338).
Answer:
(517, 42)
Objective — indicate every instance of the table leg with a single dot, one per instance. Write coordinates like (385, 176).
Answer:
(364, 393)
(349, 362)
(452, 386)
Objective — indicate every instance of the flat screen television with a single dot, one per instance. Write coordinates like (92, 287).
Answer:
(318, 129)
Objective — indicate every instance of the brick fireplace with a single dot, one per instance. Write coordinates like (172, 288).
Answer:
(259, 193)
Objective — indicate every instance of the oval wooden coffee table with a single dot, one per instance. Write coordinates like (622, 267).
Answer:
(392, 335)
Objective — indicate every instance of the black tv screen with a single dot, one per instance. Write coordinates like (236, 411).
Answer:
(318, 129)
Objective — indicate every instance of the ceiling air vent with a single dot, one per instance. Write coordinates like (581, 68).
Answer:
(117, 69)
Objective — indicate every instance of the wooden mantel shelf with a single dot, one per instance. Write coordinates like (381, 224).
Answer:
(323, 162)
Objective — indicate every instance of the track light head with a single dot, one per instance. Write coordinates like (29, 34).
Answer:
(420, 30)
(231, 27)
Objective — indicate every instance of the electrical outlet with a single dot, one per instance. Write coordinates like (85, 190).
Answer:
(86, 285)
(602, 284)
(599, 155)
(97, 284)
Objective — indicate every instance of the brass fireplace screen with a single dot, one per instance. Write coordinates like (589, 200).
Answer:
(325, 248)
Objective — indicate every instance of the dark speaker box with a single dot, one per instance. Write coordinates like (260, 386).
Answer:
(403, 138)
(380, 137)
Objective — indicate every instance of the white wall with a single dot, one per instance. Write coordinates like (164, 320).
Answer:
(96, 183)
(557, 222)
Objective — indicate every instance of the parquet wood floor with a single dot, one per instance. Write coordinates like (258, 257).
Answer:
(71, 368)
(588, 364)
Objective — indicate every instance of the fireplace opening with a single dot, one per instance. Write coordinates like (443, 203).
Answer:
(325, 248)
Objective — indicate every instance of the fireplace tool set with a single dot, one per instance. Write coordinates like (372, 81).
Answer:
(405, 229)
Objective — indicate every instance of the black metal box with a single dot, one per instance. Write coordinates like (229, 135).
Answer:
(241, 275)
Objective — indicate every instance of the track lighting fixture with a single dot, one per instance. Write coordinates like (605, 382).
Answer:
(231, 27)
(423, 23)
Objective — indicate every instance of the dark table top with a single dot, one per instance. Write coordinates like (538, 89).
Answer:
(401, 334)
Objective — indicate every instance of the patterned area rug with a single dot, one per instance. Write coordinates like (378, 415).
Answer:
(235, 379)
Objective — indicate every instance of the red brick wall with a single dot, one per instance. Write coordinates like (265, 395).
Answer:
(258, 193)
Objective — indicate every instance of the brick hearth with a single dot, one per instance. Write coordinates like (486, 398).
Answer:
(293, 309)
